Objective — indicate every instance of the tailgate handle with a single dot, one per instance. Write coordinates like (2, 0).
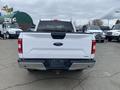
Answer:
(58, 44)
(58, 35)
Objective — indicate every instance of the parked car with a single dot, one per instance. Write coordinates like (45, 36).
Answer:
(55, 45)
(79, 29)
(99, 34)
(105, 29)
(10, 30)
(114, 34)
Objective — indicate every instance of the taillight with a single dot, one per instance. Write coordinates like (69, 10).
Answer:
(20, 48)
(93, 50)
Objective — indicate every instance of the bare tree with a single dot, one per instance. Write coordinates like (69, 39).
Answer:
(97, 22)
(7, 9)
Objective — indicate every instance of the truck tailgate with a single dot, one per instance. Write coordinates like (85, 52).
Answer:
(42, 45)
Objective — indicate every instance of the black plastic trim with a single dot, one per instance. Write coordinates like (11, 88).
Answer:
(58, 35)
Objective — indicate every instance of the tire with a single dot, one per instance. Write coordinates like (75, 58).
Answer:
(118, 39)
(7, 35)
(109, 39)
(102, 41)
(4, 36)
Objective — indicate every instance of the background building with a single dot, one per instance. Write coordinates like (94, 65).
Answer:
(23, 19)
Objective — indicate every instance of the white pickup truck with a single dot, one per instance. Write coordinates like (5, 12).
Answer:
(114, 34)
(55, 45)
(9, 30)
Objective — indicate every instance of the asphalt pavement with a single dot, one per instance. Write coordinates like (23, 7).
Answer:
(105, 75)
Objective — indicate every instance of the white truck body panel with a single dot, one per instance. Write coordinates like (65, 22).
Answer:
(94, 31)
(9, 29)
(115, 32)
(40, 45)
(13, 30)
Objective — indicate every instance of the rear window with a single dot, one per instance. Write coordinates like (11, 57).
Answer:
(105, 28)
(94, 28)
(55, 26)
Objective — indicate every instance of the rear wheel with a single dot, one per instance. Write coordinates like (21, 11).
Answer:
(109, 39)
(118, 39)
(4, 36)
(102, 41)
(7, 35)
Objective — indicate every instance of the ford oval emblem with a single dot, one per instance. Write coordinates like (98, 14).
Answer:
(58, 44)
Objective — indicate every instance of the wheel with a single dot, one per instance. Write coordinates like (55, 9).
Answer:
(102, 41)
(4, 36)
(109, 39)
(118, 39)
(7, 35)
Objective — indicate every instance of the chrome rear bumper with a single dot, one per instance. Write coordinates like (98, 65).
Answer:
(32, 65)
(77, 66)
(70, 65)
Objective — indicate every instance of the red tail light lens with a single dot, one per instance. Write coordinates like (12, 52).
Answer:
(20, 48)
(93, 47)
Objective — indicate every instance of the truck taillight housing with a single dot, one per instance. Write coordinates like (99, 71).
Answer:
(20, 47)
(93, 50)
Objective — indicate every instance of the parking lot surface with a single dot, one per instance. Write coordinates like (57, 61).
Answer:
(105, 75)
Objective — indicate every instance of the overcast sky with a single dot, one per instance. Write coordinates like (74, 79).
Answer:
(76, 9)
